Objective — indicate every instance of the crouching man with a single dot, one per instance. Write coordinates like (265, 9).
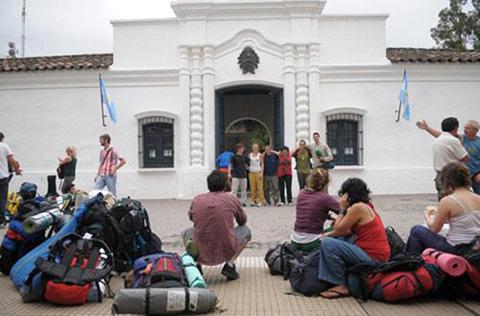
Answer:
(213, 238)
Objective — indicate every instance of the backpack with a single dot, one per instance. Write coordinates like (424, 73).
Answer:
(75, 266)
(13, 203)
(396, 243)
(134, 222)
(28, 190)
(304, 276)
(402, 278)
(281, 259)
(164, 270)
(101, 224)
(16, 243)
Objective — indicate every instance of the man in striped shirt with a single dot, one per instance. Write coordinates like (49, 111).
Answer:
(110, 162)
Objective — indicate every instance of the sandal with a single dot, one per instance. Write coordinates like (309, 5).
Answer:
(333, 297)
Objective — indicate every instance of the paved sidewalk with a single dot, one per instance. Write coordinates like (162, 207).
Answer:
(257, 292)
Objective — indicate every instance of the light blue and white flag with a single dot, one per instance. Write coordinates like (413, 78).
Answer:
(112, 113)
(404, 97)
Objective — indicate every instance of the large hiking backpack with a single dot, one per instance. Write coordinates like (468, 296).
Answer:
(28, 190)
(132, 217)
(75, 267)
(402, 278)
(281, 259)
(101, 224)
(163, 270)
(16, 243)
(304, 276)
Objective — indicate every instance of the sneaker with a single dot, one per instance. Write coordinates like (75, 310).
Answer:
(258, 205)
(244, 204)
(280, 204)
(290, 204)
(230, 272)
(252, 204)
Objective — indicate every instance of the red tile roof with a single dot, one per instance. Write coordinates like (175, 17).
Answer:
(103, 61)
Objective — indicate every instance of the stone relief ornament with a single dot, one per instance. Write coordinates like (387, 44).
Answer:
(248, 60)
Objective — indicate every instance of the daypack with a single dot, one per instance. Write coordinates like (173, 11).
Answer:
(28, 190)
(163, 270)
(134, 222)
(304, 276)
(396, 243)
(16, 243)
(404, 277)
(281, 259)
(75, 266)
(101, 224)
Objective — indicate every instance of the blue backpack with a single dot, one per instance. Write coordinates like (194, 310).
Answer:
(223, 160)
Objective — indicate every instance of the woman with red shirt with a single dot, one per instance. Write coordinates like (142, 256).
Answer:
(369, 244)
(284, 173)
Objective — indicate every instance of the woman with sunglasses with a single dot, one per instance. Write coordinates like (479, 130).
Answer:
(360, 238)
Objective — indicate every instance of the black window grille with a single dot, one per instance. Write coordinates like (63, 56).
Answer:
(155, 135)
(345, 138)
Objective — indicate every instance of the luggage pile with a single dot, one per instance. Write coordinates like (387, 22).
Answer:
(402, 277)
(74, 262)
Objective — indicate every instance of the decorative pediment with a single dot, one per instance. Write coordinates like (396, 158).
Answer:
(248, 38)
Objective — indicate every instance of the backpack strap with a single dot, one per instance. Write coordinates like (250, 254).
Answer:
(187, 299)
(147, 301)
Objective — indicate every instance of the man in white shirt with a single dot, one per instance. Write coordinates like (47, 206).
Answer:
(321, 153)
(447, 148)
(6, 159)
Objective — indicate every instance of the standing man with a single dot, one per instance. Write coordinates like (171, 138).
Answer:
(471, 142)
(237, 172)
(302, 156)
(6, 159)
(270, 162)
(321, 153)
(447, 148)
(110, 162)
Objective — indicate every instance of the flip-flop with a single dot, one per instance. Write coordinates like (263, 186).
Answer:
(337, 294)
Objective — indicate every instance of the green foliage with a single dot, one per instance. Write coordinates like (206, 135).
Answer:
(456, 28)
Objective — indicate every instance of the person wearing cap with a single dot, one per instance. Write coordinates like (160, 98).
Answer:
(6, 159)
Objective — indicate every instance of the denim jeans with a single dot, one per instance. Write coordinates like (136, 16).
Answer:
(422, 238)
(107, 181)
(336, 256)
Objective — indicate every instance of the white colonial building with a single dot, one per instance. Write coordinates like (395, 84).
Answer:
(224, 71)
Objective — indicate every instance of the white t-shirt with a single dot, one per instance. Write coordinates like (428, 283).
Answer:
(447, 149)
(5, 151)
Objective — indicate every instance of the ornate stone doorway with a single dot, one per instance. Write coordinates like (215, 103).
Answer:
(249, 114)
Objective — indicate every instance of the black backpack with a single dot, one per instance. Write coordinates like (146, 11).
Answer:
(281, 259)
(396, 243)
(134, 222)
(101, 224)
(304, 276)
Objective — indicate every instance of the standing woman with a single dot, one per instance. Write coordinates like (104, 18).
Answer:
(69, 165)
(284, 173)
(255, 176)
(302, 156)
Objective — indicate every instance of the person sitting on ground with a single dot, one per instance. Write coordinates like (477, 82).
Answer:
(313, 205)
(460, 208)
(368, 244)
(213, 238)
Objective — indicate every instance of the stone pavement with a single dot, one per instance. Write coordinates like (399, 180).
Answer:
(257, 292)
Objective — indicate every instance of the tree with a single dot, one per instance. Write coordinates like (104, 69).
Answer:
(454, 27)
(475, 24)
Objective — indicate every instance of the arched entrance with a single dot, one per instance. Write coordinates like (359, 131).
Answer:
(249, 114)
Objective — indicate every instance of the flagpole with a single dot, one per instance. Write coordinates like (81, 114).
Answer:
(398, 111)
(101, 100)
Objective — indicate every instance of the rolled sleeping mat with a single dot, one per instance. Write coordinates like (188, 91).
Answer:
(449, 263)
(42, 221)
(194, 276)
(164, 301)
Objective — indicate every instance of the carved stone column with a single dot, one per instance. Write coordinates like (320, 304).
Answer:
(289, 70)
(184, 109)
(302, 108)
(208, 73)
(314, 84)
(196, 111)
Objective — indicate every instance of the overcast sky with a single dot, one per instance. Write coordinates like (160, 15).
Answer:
(58, 27)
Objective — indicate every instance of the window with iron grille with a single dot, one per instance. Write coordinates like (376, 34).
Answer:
(345, 138)
(155, 140)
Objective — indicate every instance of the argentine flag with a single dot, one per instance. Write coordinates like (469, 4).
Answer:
(404, 97)
(112, 113)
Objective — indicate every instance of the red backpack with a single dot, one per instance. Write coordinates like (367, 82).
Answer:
(396, 280)
(74, 267)
(163, 270)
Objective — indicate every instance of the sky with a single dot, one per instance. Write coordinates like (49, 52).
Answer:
(61, 27)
